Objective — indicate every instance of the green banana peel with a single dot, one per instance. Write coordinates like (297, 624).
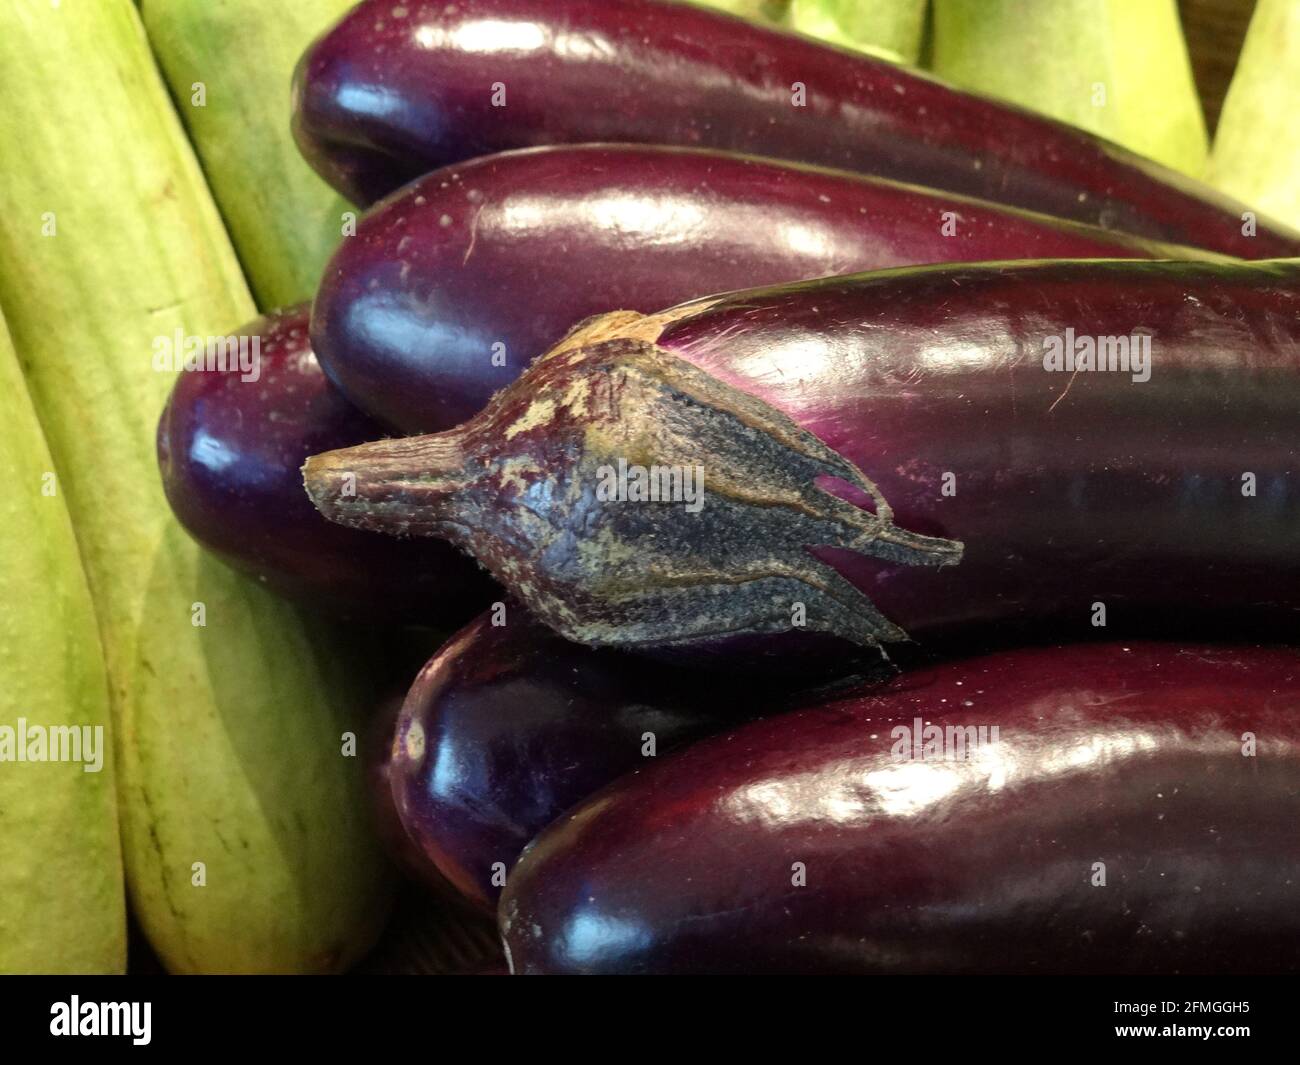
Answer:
(890, 29)
(1256, 154)
(245, 831)
(62, 896)
(229, 64)
(1118, 68)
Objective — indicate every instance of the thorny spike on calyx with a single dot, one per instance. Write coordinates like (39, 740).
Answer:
(517, 488)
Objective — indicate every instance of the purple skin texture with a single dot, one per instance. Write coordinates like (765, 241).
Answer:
(230, 450)
(1055, 503)
(405, 854)
(1068, 489)
(1127, 755)
(381, 99)
(452, 286)
(508, 726)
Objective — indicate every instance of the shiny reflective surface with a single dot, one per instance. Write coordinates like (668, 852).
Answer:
(398, 845)
(449, 289)
(507, 727)
(1120, 821)
(642, 71)
(1164, 507)
(230, 451)
(1066, 489)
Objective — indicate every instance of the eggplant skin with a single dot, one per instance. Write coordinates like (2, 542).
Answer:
(1122, 761)
(1067, 489)
(229, 450)
(507, 726)
(891, 454)
(398, 845)
(452, 286)
(383, 97)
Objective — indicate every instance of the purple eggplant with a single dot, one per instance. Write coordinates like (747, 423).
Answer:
(919, 451)
(449, 289)
(230, 444)
(397, 843)
(508, 726)
(1095, 808)
(394, 91)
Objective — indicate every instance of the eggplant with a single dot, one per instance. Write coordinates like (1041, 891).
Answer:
(392, 92)
(1086, 809)
(402, 851)
(230, 444)
(449, 289)
(509, 725)
(882, 455)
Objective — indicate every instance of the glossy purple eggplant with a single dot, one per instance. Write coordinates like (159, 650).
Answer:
(397, 843)
(451, 287)
(687, 481)
(230, 444)
(1095, 808)
(509, 725)
(394, 91)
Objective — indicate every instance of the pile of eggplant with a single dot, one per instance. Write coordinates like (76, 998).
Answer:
(889, 501)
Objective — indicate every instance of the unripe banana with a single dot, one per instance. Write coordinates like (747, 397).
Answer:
(62, 906)
(244, 824)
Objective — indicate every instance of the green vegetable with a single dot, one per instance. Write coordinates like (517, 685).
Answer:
(62, 901)
(758, 10)
(244, 828)
(1257, 147)
(1116, 67)
(229, 64)
(889, 28)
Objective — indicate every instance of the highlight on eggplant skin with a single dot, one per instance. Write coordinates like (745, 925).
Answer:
(1088, 809)
(1061, 493)
(379, 100)
(454, 284)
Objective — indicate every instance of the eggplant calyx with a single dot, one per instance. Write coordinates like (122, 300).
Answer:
(632, 499)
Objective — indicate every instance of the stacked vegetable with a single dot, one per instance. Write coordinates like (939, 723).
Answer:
(882, 456)
(870, 510)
